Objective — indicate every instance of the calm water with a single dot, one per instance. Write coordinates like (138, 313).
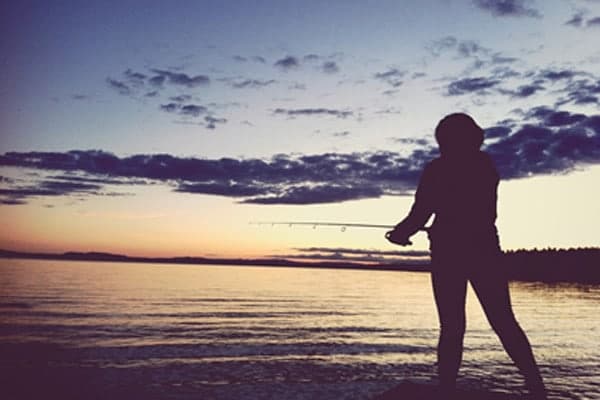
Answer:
(201, 332)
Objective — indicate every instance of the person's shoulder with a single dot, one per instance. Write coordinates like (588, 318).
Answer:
(488, 163)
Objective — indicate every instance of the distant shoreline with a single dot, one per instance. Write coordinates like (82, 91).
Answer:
(550, 265)
(266, 262)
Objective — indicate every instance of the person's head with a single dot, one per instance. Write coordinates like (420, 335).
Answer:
(458, 134)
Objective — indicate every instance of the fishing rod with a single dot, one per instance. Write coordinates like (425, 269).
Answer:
(342, 225)
(389, 235)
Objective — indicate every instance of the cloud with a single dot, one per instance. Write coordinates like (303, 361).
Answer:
(182, 79)
(576, 20)
(157, 80)
(284, 179)
(557, 75)
(311, 57)
(192, 110)
(18, 194)
(594, 22)
(119, 86)
(508, 8)
(392, 77)
(328, 193)
(437, 47)
(341, 133)
(359, 255)
(287, 63)
(469, 85)
(524, 91)
(546, 141)
(258, 59)
(182, 98)
(330, 67)
(553, 141)
(313, 112)
(583, 91)
(342, 250)
(252, 83)
(188, 110)
(211, 122)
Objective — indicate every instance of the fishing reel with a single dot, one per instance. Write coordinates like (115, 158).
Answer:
(396, 237)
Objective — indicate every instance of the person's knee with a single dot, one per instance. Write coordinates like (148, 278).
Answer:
(453, 330)
(505, 326)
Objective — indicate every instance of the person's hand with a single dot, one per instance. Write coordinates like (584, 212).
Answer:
(397, 237)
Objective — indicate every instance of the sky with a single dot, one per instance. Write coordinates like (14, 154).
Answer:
(161, 129)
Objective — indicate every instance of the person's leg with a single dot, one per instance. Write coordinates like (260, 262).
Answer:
(449, 291)
(492, 290)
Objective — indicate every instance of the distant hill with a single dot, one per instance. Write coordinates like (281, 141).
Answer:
(549, 265)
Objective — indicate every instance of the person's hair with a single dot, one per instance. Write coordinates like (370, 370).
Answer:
(458, 133)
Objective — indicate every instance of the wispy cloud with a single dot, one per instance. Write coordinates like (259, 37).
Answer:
(313, 112)
(121, 87)
(287, 63)
(470, 85)
(252, 83)
(182, 79)
(392, 77)
(330, 67)
(508, 8)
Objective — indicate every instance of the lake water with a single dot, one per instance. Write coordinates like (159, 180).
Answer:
(122, 330)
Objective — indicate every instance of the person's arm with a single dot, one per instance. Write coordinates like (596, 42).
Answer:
(419, 214)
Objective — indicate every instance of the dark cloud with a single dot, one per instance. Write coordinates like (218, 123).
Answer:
(508, 8)
(311, 57)
(80, 97)
(18, 194)
(188, 110)
(240, 59)
(182, 98)
(341, 134)
(211, 122)
(546, 141)
(557, 75)
(287, 63)
(525, 90)
(283, 179)
(252, 83)
(496, 132)
(119, 86)
(469, 48)
(469, 85)
(330, 67)
(576, 20)
(135, 76)
(392, 77)
(437, 47)
(182, 79)
(313, 112)
(342, 250)
(327, 193)
(583, 91)
(153, 93)
(170, 107)
(552, 118)
(258, 59)
(554, 142)
(595, 22)
(157, 80)
(192, 110)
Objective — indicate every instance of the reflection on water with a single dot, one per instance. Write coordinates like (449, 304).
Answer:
(167, 331)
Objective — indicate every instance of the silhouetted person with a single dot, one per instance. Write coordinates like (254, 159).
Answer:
(460, 187)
